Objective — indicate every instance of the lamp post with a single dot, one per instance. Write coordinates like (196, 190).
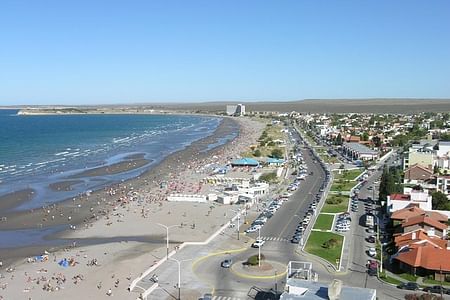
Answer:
(259, 248)
(167, 236)
(276, 281)
(238, 220)
(179, 274)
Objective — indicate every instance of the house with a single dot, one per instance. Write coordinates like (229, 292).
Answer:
(414, 210)
(443, 184)
(399, 201)
(426, 223)
(419, 237)
(425, 259)
(418, 174)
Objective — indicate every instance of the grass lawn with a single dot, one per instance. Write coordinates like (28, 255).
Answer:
(336, 208)
(435, 282)
(391, 280)
(316, 240)
(342, 185)
(408, 277)
(348, 174)
(324, 222)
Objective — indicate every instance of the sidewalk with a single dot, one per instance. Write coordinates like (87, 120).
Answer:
(191, 287)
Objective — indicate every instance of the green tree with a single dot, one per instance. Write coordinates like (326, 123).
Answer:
(440, 201)
(257, 153)
(277, 153)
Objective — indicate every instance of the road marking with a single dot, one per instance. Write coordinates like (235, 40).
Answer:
(300, 203)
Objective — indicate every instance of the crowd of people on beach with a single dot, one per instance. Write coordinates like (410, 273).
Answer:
(180, 175)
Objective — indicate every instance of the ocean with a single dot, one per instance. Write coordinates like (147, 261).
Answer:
(38, 150)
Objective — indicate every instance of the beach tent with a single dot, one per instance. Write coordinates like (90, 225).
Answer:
(64, 263)
(245, 162)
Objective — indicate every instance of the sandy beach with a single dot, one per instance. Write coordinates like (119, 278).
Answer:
(115, 235)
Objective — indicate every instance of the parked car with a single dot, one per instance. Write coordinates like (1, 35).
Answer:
(226, 263)
(251, 229)
(436, 289)
(207, 296)
(258, 244)
(295, 239)
(371, 239)
(411, 286)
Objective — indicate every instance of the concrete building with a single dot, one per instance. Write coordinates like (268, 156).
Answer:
(356, 151)
(301, 284)
(443, 184)
(399, 201)
(236, 110)
(421, 154)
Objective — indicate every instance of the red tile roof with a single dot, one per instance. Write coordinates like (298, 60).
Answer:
(413, 210)
(426, 256)
(400, 197)
(424, 219)
(407, 212)
(417, 237)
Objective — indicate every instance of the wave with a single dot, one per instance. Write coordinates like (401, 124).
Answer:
(62, 153)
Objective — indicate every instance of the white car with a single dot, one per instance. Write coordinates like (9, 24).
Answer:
(372, 252)
(258, 244)
(253, 228)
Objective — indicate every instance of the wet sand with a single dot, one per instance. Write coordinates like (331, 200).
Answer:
(117, 168)
(15, 199)
(64, 186)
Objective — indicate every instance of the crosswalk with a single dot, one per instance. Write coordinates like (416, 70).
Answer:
(225, 298)
(274, 239)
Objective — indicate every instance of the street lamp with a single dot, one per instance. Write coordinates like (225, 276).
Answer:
(276, 281)
(259, 248)
(238, 220)
(179, 274)
(167, 236)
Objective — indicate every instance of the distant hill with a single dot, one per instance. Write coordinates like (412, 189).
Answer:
(330, 106)
(308, 105)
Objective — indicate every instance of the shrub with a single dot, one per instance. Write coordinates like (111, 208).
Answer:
(334, 200)
(269, 177)
(277, 153)
(253, 260)
(331, 243)
(257, 153)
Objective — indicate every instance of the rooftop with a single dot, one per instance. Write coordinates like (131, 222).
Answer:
(426, 256)
(360, 148)
(424, 219)
(319, 290)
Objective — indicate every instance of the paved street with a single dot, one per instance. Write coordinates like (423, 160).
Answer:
(201, 266)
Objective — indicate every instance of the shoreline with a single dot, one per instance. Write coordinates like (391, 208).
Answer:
(79, 210)
(125, 238)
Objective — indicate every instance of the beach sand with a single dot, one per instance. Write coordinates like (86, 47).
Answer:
(14, 199)
(126, 210)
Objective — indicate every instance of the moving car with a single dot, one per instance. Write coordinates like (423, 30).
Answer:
(258, 244)
(226, 263)
(411, 286)
(207, 296)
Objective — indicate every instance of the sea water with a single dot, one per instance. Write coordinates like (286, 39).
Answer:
(37, 150)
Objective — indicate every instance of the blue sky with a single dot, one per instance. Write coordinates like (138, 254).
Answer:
(93, 52)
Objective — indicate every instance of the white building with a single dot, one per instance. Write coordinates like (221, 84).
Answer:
(400, 201)
(236, 110)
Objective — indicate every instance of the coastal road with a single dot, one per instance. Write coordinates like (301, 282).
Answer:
(277, 233)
